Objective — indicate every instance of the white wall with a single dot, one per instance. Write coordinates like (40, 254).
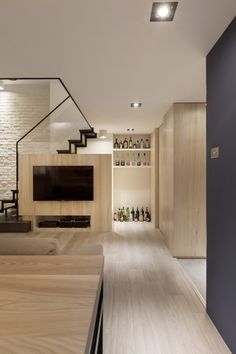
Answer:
(131, 187)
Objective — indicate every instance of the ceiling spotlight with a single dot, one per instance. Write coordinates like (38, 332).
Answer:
(136, 104)
(130, 129)
(163, 11)
(103, 134)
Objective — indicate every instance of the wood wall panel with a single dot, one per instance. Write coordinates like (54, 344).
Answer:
(190, 180)
(166, 176)
(155, 177)
(99, 209)
(183, 179)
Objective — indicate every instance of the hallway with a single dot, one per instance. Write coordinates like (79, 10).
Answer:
(150, 307)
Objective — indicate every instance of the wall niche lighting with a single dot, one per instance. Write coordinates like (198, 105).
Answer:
(163, 11)
(102, 134)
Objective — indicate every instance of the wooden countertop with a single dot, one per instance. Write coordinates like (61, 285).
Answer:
(48, 304)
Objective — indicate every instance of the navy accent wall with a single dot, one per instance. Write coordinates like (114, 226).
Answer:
(221, 186)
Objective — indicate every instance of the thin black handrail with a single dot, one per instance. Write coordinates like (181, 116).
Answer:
(36, 125)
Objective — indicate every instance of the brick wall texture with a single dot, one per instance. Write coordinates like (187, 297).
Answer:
(21, 107)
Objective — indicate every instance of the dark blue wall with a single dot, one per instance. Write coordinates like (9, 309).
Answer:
(221, 186)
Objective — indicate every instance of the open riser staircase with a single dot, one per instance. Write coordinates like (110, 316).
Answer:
(74, 144)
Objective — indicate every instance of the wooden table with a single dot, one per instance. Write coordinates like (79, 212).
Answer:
(50, 304)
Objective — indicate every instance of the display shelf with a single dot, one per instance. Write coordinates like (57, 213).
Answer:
(131, 149)
(140, 167)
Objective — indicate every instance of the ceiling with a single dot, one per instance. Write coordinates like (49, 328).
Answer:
(109, 54)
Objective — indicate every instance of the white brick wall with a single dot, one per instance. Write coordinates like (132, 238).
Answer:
(21, 106)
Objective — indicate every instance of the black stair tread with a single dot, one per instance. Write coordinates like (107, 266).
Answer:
(91, 135)
(80, 145)
(83, 131)
(8, 200)
(64, 151)
(14, 190)
(74, 141)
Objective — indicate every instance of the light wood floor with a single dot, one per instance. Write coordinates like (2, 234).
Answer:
(150, 306)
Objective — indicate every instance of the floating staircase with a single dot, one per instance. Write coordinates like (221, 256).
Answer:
(74, 144)
(6, 204)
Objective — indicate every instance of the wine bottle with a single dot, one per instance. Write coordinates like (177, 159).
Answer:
(127, 214)
(133, 159)
(118, 214)
(132, 213)
(120, 145)
(130, 143)
(141, 144)
(125, 144)
(141, 215)
(128, 160)
(136, 216)
(135, 146)
(138, 160)
(122, 214)
(115, 216)
(116, 145)
(147, 215)
(144, 159)
(138, 144)
(147, 144)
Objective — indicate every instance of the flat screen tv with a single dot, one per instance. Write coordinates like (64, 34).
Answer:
(62, 183)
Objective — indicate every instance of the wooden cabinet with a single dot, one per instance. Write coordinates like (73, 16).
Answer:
(182, 188)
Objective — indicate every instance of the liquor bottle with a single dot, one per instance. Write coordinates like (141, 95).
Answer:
(136, 215)
(147, 215)
(148, 161)
(147, 144)
(122, 215)
(144, 159)
(127, 214)
(125, 144)
(127, 160)
(122, 161)
(116, 145)
(141, 215)
(138, 144)
(115, 216)
(135, 146)
(141, 144)
(130, 143)
(138, 160)
(118, 214)
(133, 160)
(132, 213)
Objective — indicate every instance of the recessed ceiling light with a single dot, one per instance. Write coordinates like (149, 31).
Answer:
(136, 104)
(130, 129)
(163, 11)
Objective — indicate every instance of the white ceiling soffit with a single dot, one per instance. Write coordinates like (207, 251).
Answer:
(109, 54)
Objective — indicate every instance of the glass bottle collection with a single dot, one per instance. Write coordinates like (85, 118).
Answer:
(132, 159)
(130, 214)
(129, 144)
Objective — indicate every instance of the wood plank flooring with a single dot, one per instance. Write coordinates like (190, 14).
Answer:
(150, 306)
